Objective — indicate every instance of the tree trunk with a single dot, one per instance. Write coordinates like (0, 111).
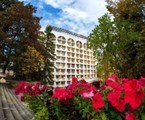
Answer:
(5, 66)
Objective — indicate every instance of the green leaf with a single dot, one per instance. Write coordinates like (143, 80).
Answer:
(103, 116)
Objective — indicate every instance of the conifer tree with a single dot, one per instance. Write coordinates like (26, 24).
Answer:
(47, 40)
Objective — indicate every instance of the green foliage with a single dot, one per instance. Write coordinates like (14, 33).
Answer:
(58, 111)
(133, 12)
(127, 9)
(140, 112)
(61, 110)
(48, 49)
(42, 114)
(83, 106)
(101, 40)
(40, 109)
(117, 46)
(111, 113)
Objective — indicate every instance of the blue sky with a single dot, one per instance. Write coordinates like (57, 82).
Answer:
(78, 16)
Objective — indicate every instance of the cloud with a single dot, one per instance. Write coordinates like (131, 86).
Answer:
(59, 3)
(73, 13)
(78, 15)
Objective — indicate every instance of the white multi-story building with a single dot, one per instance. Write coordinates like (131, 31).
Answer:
(73, 58)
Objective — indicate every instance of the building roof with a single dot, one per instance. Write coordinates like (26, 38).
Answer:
(69, 32)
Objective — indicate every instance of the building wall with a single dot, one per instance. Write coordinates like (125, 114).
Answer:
(73, 58)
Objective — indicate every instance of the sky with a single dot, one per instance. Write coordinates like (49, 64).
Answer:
(79, 16)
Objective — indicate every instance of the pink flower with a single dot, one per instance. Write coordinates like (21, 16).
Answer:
(61, 94)
(86, 93)
(31, 89)
(83, 81)
(113, 77)
(72, 87)
(22, 98)
(43, 87)
(116, 101)
(74, 80)
(34, 89)
(86, 86)
(86, 90)
(97, 101)
(142, 81)
(36, 86)
(113, 82)
(130, 116)
(133, 93)
(21, 88)
(124, 80)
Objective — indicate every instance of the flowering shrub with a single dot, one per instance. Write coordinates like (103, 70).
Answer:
(36, 96)
(118, 99)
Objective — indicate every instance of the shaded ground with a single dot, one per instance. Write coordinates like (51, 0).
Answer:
(10, 106)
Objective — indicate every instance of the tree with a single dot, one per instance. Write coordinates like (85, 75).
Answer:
(101, 40)
(21, 42)
(4, 4)
(19, 28)
(110, 41)
(119, 44)
(32, 60)
(47, 39)
(132, 11)
(50, 48)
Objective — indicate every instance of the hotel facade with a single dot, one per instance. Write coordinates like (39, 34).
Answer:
(73, 58)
